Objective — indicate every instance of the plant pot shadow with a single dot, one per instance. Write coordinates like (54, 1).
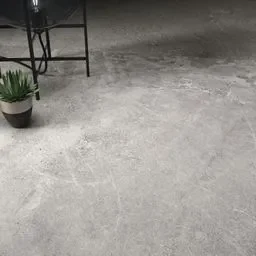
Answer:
(37, 121)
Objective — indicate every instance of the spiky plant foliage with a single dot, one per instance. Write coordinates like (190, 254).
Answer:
(16, 86)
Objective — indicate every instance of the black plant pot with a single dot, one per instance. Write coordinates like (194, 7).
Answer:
(18, 114)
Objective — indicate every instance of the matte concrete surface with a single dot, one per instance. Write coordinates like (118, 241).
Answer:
(154, 155)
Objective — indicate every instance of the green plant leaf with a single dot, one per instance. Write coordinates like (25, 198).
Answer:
(16, 86)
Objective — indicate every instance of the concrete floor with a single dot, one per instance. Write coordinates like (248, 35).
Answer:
(155, 154)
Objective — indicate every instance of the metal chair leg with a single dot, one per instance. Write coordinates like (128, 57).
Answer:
(86, 38)
(30, 45)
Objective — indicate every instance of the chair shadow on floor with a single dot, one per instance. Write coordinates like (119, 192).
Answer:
(200, 50)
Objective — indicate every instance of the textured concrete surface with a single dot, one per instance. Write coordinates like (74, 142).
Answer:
(154, 154)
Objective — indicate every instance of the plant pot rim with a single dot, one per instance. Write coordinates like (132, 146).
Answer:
(17, 100)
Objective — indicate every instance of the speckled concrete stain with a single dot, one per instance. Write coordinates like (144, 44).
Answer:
(154, 154)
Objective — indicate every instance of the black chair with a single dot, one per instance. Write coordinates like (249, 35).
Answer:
(37, 18)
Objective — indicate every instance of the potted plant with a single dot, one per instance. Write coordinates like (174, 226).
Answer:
(16, 93)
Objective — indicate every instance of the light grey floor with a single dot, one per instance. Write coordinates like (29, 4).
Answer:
(155, 154)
